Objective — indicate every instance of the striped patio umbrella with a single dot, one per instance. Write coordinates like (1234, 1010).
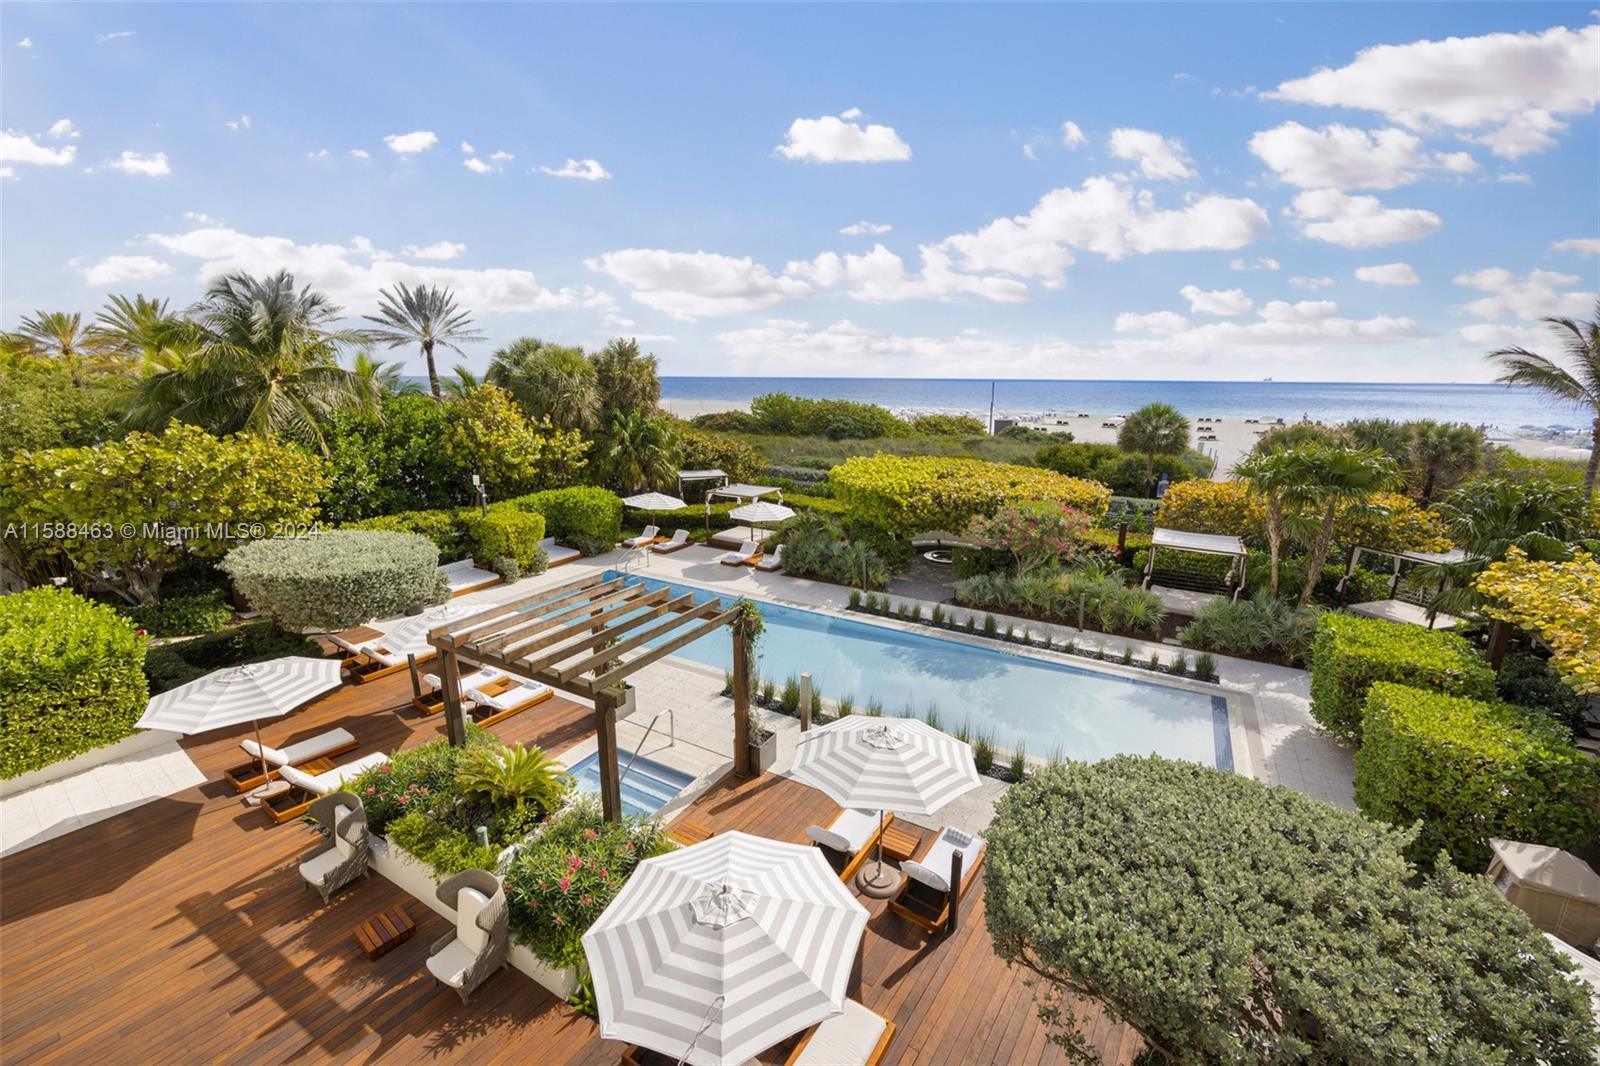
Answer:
(410, 635)
(761, 512)
(238, 694)
(716, 952)
(655, 501)
(885, 764)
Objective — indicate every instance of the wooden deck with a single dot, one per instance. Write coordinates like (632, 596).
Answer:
(179, 932)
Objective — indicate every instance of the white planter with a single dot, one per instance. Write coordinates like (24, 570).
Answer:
(413, 877)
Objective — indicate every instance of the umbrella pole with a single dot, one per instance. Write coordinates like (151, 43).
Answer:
(261, 753)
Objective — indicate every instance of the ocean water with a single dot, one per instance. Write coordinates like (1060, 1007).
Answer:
(1502, 406)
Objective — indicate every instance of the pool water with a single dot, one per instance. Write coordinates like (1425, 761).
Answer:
(648, 787)
(1044, 707)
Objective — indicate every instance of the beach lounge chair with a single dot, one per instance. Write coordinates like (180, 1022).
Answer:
(374, 659)
(344, 852)
(651, 535)
(849, 839)
(322, 746)
(679, 541)
(480, 944)
(466, 576)
(927, 898)
(771, 562)
(855, 1036)
(431, 698)
(499, 699)
(555, 555)
(301, 787)
(749, 552)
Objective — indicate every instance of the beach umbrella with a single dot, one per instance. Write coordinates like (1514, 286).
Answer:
(761, 512)
(410, 635)
(714, 953)
(655, 501)
(885, 764)
(238, 694)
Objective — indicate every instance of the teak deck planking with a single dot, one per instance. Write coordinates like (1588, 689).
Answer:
(181, 932)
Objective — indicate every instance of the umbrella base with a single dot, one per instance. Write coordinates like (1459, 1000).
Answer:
(879, 880)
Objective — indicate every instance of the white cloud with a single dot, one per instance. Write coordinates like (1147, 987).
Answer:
(1504, 90)
(1029, 151)
(476, 165)
(1359, 221)
(1341, 157)
(581, 169)
(880, 276)
(1309, 284)
(501, 157)
(1514, 177)
(115, 269)
(1216, 301)
(1264, 262)
(202, 218)
(693, 285)
(1501, 335)
(26, 42)
(320, 153)
(1529, 297)
(1154, 322)
(7, 171)
(411, 143)
(22, 148)
(1388, 274)
(865, 228)
(1072, 136)
(114, 36)
(1159, 158)
(466, 146)
(360, 153)
(1107, 217)
(436, 250)
(843, 140)
(62, 129)
(1581, 245)
(237, 124)
(151, 166)
(353, 273)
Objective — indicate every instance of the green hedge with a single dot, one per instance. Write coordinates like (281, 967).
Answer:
(1468, 771)
(183, 615)
(447, 529)
(167, 666)
(71, 678)
(505, 533)
(586, 518)
(338, 579)
(1350, 654)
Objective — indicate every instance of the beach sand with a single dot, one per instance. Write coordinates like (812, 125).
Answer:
(1234, 437)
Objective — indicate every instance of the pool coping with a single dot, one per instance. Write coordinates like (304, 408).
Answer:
(1244, 728)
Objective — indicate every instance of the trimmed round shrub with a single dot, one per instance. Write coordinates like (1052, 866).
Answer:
(1470, 770)
(71, 678)
(1349, 654)
(183, 616)
(505, 533)
(339, 579)
(914, 494)
(586, 518)
(1232, 922)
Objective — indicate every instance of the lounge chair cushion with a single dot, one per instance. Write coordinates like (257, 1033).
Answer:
(553, 553)
(451, 962)
(469, 904)
(747, 549)
(773, 561)
(465, 574)
(301, 750)
(939, 882)
(379, 653)
(431, 682)
(316, 869)
(511, 697)
(680, 539)
(324, 783)
(846, 1039)
(343, 846)
(934, 869)
(650, 533)
(856, 826)
(829, 839)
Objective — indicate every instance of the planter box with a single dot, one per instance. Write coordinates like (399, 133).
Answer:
(764, 754)
(414, 878)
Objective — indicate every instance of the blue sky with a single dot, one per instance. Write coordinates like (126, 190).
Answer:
(1178, 191)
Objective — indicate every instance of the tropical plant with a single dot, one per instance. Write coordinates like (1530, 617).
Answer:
(267, 362)
(548, 381)
(461, 382)
(1442, 454)
(636, 449)
(1154, 430)
(625, 379)
(706, 451)
(513, 775)
(1104, 879)
(424, 315)
(1331, 479)
(1260, 626)
(63, 337)
(913, 494)
(145, 332)
(1036, 534)
(1272, 477)
(1558, 601)
(490, 436)
(1578, 386)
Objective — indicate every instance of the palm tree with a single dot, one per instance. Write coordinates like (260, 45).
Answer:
(267, 363)
(1332, 479)
(378, 378)
(636, 449)
(461, 382)
(63, 337)
(145, 331)
(423, 315)
(1154, 430)
(625, 378)
(1273, 476)
(1579, 386)
(549, 381)
(1442, 454)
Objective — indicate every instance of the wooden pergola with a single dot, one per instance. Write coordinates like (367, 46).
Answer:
(572, 637)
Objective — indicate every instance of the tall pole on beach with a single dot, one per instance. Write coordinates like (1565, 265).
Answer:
(991, 408)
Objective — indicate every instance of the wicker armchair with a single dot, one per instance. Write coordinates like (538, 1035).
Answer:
(344, 853)
(481, 942)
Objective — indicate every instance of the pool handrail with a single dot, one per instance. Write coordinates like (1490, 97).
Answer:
(672, 740)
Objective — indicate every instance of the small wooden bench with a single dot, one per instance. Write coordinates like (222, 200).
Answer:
(385, 931)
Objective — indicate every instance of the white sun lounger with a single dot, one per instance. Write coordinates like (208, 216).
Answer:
(555, 555)
(856, 1036)
(848, 838)
(647, 537)
(464, 576)
(771, 562)
(679, 541)
(322, 746)
(304, 788)
(748, 552)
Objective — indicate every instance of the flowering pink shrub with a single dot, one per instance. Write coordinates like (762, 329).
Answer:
(1036, 534)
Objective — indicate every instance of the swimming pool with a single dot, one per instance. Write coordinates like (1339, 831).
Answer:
(1046, 707)
(648, 787)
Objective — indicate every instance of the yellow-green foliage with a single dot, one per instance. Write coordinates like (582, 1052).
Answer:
(911, 494)
(1558, 601)
(1385, 520)
(504, 533)
(1471, 770)
(71, 678)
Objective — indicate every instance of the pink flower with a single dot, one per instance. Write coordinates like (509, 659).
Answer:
(405, 798)
(565, 883)
(387, 769)
(586, 900)
(604, 873)
(371, 790)
(560, 920)
(590, 834)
